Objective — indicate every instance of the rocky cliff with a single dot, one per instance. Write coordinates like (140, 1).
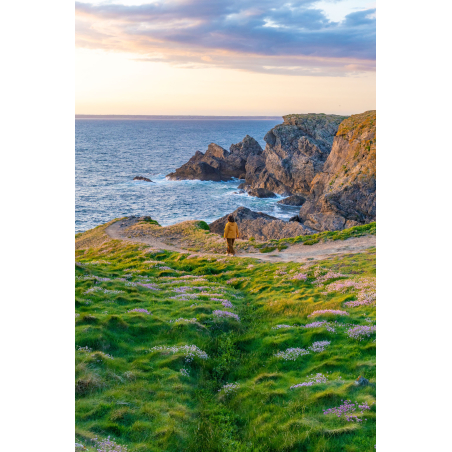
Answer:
(217, 164)
(344, 193)
(295, 152)
(327, 161)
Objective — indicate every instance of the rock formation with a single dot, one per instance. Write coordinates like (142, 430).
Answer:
(260, 226)
(344, 193)
(294, 200)
(217, 164)
(145, 179)
(295, 152)
(326, 163)
(260, 193)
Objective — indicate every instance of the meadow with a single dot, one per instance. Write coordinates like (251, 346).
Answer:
(181, 352)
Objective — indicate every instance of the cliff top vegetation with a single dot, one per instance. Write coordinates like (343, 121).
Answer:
(176, 351)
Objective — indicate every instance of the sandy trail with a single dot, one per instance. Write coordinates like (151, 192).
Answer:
(295, 253)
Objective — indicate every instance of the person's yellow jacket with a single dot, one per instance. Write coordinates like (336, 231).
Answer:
(231, 231)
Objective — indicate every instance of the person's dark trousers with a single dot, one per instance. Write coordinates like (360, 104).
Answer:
(231, 246)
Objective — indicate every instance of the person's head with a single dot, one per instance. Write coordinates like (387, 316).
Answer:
(231, 219)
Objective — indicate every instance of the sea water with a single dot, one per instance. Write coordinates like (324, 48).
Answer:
(110, 153)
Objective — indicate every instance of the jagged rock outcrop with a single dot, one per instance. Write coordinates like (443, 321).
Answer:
(324, 162)
(344, 193)
(217, 164)
(144, 179)
(295, 152)
(260, 226)
(294, 200)
(260, 193)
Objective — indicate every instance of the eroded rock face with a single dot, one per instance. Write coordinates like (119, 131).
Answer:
(261, 193)
(295, 152)
(260, 226)
(344, 193)
(294, 200)
(217, 164)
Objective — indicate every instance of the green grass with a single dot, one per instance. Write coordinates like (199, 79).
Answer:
(150, 221)
(141, 399)
(203, 225)
(355, 231)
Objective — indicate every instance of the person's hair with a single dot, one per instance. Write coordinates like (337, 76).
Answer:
(231, 219)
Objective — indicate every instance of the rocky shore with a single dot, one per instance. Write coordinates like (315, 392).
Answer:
(217, 164)
(261, 226)
(326, 164)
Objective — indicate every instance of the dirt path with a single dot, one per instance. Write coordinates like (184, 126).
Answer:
(295, 253)
(302, 253)
(117, 231)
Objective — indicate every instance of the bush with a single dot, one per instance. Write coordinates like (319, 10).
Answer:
(203, 225)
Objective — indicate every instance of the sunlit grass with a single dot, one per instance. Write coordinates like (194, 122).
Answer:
(166, 400)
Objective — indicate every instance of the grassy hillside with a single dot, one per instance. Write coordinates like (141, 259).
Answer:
(196, 237)
(179, 353)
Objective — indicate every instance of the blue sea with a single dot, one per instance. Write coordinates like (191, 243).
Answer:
(110, 153)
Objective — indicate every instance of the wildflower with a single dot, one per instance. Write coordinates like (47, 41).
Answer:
(325, 277)
(291, 354)
(280, 272)
(186, 296)
(226, 303)
(229, 388)
(184, 372)
(347, 410)
(277, 327)
(190, 351)
(311, 381)
(108, 445)
(361, 331)
(182, 320)
(84, 349)
(328, 311)
(300, 276)
(319, 346)
(355, 303)
(149, 286)
(226, 314)
(140, 310)
(320, 324)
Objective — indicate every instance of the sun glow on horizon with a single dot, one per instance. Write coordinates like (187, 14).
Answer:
(198, 58)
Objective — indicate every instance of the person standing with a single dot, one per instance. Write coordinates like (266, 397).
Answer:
(231, 232)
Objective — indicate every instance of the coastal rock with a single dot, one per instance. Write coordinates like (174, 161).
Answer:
(261, 193)
(361, 381)
(217, 164)
(295, 218)
(325, 222)
(295, 152)
(344, 193)
(145, 179)
(260, 226)
(294, 200)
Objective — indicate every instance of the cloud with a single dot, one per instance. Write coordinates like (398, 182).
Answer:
(266, 36)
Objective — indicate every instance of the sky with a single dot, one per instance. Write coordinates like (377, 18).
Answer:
(224, 57)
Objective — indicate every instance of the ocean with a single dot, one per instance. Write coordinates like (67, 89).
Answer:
(110, 153)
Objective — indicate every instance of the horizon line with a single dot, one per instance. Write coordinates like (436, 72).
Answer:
(186, 117)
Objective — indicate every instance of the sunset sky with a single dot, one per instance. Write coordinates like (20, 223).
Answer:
(225, 57)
